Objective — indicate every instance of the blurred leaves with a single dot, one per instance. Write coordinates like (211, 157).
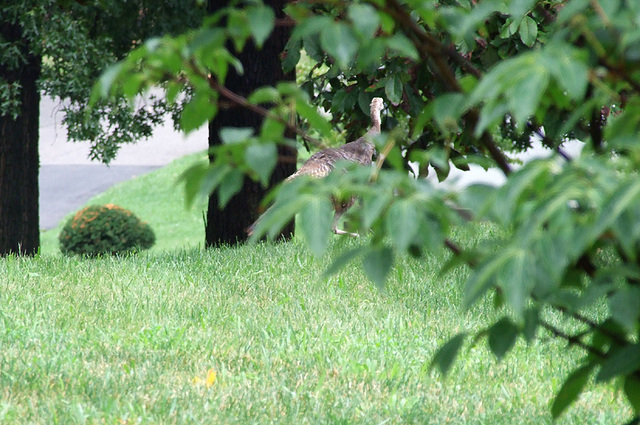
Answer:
(571, 389)
(339, 41)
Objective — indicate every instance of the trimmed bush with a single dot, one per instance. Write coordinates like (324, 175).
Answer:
(105, 229)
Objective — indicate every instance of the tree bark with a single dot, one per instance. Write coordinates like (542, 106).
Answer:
(261, 67)
(19, 160)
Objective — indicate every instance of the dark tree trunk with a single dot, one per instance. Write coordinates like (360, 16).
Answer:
(19, 160)
(261, 67)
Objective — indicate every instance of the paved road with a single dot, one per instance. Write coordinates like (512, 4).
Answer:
(68, 179)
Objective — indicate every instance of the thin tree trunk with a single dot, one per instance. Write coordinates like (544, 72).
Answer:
(261, 67)
(19, 160)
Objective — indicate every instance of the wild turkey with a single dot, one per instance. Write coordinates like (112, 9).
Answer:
(321, 163)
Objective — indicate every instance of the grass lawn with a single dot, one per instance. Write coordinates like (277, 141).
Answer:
(254, 334)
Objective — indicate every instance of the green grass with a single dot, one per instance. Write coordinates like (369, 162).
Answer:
(132, 340)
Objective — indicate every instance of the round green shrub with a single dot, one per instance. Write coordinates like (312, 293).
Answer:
(105, 229)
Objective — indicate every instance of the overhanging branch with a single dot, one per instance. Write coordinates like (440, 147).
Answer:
(432, 50)
(244, 103)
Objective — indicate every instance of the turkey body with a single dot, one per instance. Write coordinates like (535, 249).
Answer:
(321, 163)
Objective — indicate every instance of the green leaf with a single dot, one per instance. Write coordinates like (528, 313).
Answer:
(372, 206)
(446, 354)
(192, 179)
(377, 265)
(311, 114)
(439, 159)
(632, 391)
(276, 217)
(271, 130)
(339, 41)
(461, 162)
(238, 28)
(509, 28)
(402, 222)
(342, 101)
(447, 110)
(518, 8)
(311, 26)
(199, 110)
(624, 307)
(502, 80)
(204, 40)
(233, 135)
(108, 78)
(218, 63)
(495, 271)
(265, 95)
(315, 223)
(393, 89)
(261, 23)
(623, 362)
(502, 336)
(291, 55)
(627, 230)
(567, 67)
(571, 389)
(463, 22)
(525, 95)
(172, 90)
(370, 53)
(625, 196)
(571, 9)
(477, 198)
(519, 183)
(549, 252)
(514, 279)
(262, 159)
(528, 31)
(365, 19)
(622, 129)
(490, 114)
(133, 85)
(403, 46)
(201, 180)
(229, 186)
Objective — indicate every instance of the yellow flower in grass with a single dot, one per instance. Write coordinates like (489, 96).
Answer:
(211, 378)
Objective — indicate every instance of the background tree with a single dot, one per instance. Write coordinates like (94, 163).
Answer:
(467, 82)
(261, 67)
(60, 47)
(19, 123)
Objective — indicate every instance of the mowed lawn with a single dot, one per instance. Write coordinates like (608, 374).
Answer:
(256, 334)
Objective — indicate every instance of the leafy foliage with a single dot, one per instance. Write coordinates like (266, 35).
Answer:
(466, 82)
(76, 41)
(105, 229)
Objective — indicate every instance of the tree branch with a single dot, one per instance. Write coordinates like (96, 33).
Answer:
(432, 50)
(243, 102)
(572, 340)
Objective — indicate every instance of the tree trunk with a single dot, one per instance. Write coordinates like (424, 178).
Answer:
(261, 67)
(19, 160)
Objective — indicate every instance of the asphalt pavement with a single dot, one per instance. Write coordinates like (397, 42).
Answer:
(68, 178)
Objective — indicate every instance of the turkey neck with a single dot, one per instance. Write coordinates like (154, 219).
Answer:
(375, 120)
